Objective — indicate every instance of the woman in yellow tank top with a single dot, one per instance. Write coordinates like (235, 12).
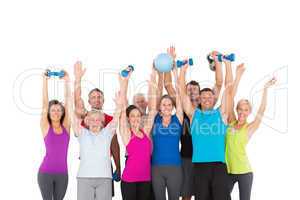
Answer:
(238, 134)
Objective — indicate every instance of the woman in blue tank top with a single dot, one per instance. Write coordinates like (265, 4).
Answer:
(166, 161)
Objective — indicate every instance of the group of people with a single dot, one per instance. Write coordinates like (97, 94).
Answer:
(180, 142)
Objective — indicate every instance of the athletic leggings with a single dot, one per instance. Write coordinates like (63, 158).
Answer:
(53, 186)
(169, 177)
(211, 181)
(136, 190)
(245, 184)
(94, 189)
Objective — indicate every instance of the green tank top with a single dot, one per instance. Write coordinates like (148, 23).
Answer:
(236, 154)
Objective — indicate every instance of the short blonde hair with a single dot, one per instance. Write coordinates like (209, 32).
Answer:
(244, 101)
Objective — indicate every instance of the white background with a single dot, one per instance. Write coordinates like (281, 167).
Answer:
(108, 35)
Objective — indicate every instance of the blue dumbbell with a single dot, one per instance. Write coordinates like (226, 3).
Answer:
(116, 176)
(126, 71)
(59, 74)
(230, 57)
(180, 63)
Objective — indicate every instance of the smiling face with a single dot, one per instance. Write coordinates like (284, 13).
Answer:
(135, 118)
(193, 91)
(166, 106)
(243, 110)
(56, 112)
(207, 100)
(95, 120)
(96, 99)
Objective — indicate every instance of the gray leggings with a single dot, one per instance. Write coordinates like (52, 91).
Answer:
(245, 184)
(94, 189)
(53, 186)
(169, 177)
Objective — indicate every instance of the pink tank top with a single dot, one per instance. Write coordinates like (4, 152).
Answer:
(138, 163)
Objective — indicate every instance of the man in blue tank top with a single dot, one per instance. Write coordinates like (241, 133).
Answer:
(208, 130)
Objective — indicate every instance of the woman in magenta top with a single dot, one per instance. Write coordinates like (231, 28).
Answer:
(136, 177)
(55, 126)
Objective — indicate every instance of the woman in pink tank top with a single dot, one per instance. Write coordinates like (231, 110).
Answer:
(136, 177)
(55, 127)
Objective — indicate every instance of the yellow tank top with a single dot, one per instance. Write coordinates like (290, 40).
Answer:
(236, 154)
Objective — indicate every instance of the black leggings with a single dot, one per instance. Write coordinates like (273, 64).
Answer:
(53, 186)
(135, 190)
(245, 184)
(211, 181)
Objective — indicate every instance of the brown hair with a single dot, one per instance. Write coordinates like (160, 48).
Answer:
(55, 102)
(131, 108)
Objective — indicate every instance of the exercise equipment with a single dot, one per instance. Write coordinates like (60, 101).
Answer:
(163, 62)
(116, 177)
(59, 74)
(126, 71)
(221, 58)
(180, 63)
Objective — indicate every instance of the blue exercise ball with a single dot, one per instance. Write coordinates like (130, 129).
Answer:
(163, 62)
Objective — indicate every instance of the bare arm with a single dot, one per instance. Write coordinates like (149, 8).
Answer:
(227, 96)
(79, 104)
(112, 125)
(239, 72)
(253, 126)
(68, 103)
(218, 77)
(168, 76)
(76, 124)
(179, 110)
(123, 128)
(44, 124)
(187, 105)
(152, 87)
(168, 85)
(159, 88)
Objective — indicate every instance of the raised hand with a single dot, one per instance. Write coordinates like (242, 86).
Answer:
(153, 76)
(45, 76)
(214, 54)
(171, 51)
(270, 83)
(118, 99)
(78, 70)
(240, 69)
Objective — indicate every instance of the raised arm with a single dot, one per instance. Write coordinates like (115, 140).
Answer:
(113, 124)
(252, 127)
(68, 102)
(44, 124)
(123, 128)
(218, 76)
(79, 103)
(76, 124)
(227, 101)
(168, 76)
(159, 88)
(186, 102)
(179, 110)
(239, 72)
(152, 102)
